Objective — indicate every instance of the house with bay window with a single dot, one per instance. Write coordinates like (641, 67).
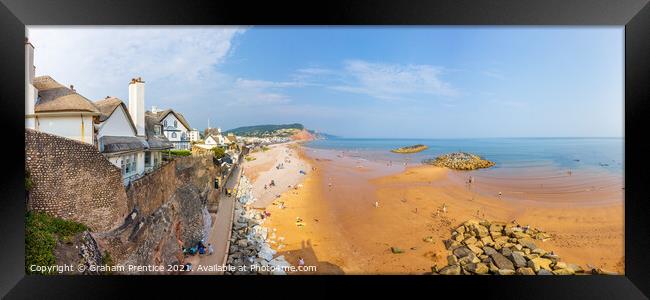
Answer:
(174, 126)
(127, 136)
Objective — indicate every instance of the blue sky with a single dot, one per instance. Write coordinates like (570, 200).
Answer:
(420, 82)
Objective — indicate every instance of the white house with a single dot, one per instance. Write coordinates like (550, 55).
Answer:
(215, 140)
(175, 127)
(118, 138)
(194, 135)
(61, 111)
(129, 138)
(54, 108)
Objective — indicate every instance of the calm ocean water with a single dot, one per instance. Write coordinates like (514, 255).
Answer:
(548, 155)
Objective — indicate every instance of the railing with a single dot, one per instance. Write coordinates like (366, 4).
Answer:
(130, 178)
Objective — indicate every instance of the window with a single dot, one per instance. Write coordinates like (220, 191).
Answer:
(123, 167)
(147, 158)
(165, 123)
(128, 165)
(174, 135)
(175, 124)
(156, 129)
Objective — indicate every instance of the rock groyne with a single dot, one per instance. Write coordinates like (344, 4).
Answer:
(249, 251)
(410, 149)
(459, 161)
(481, 247)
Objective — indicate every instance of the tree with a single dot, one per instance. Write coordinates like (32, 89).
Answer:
(219, 152)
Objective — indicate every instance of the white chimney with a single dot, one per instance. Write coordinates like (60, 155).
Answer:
(30, 91)
(154, 109)
(136, 104)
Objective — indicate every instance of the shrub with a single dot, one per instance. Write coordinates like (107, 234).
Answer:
(41, 234)
(180, 152)
(265, 148)
(107, 260)
(219, 152)
(249, 158)
(29, 184)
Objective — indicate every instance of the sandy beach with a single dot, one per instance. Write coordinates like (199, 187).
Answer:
(344, 232)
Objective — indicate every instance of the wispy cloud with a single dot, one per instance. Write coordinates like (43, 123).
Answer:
(181, 65)
(394, 81)
(493, 74)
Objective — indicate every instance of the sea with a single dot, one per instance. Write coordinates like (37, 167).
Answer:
(568, 164)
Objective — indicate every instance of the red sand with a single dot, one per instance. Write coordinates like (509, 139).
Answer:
(345, 233)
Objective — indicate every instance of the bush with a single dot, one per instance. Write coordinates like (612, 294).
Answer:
(180, 152)
(41, 234)
(219, 152)
(265, 148)
(29, 184)
(249, 158)
(107, 260)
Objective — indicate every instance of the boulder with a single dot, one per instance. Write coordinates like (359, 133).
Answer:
(565, 271)
(470, 240)
(560, 265)
(539, 263)
(506, 252)
(477, 268)
(452, 260)
(458, 237)
(502, 262)
(475, 249)
(450, 270)
(505, 272)
(544, 272)
(575, 268)
(451, 244)
(462, 251)
(518, 259)
(487, 240)
(396, 250)
(539, 251)
(525, 271)
(489, 250)
(470, 258)
(460, 229)
(481, 231)
(528, 243)
(495, 228)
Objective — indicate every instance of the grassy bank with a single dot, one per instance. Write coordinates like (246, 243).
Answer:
(42, 232)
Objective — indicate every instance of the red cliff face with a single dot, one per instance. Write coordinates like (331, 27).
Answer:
(303, 135)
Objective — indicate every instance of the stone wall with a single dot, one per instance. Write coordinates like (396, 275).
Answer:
(148, 193)
(168, 209)
(74, 181)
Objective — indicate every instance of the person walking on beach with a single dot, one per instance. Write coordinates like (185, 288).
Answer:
(301, 261)
(376, 204)
(210, 249)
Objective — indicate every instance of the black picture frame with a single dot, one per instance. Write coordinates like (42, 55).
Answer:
(634, 15)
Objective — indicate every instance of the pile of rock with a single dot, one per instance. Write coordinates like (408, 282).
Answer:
(249, 252)
(410, 149)
(460, 161)
(482, 247)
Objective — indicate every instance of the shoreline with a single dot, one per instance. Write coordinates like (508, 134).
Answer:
(344, 232)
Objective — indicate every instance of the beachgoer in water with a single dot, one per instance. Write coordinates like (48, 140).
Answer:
(376, 204)
(499, 194)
